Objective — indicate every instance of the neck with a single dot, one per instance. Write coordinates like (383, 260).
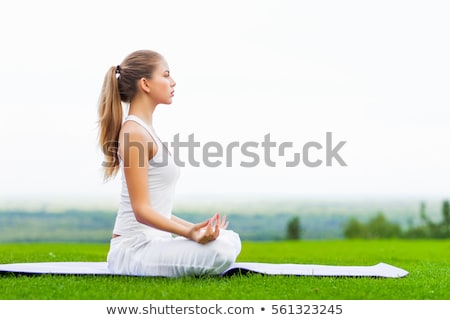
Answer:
(143, 110)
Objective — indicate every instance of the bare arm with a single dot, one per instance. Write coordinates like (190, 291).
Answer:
(216, 220)
(181, 221)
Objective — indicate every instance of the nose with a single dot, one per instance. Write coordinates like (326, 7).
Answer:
(173, 83)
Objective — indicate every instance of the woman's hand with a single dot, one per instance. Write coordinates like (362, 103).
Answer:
(208, 230)
(220, 221)
(223, 223)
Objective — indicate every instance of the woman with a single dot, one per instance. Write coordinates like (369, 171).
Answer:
(147, 239)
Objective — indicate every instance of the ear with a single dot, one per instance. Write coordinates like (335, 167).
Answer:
(144, 85)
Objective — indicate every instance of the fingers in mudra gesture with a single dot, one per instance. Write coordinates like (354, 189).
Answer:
(209, 230)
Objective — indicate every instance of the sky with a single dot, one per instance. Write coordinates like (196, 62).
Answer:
(375, 75)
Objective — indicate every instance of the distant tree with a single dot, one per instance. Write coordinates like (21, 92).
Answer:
(424, 217)
(380, 227)
(446, 211)
(375, 228)
(422, 212)
(446, 219)
(417, 232)
(293, 230)
(355, 229)
(429, 229)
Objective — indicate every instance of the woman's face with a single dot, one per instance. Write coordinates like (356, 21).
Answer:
(161, 84)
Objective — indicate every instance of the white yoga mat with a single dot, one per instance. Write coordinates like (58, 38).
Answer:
(100, 268)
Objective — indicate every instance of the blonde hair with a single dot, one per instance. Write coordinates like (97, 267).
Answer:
(120, 85)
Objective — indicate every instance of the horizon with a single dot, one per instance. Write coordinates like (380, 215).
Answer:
(201, 201)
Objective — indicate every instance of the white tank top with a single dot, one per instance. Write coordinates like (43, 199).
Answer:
(163, 174)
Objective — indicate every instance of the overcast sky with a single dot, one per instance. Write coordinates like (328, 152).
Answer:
(373, 73)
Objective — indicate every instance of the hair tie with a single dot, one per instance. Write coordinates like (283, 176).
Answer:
(117, 71)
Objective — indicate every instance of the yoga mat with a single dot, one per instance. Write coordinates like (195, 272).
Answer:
(100, 268)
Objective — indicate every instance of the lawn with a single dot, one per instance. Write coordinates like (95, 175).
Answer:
(428, 262)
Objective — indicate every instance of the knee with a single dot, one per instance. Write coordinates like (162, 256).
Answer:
(231, 240)
(225, 254)
(223, 259)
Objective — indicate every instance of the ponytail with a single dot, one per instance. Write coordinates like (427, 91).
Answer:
(110, 115)
(120, 84)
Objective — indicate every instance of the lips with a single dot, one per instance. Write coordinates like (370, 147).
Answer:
(172, 93)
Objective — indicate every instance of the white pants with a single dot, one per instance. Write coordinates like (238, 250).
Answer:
(138, 254)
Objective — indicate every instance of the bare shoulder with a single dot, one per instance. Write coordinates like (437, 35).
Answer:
(133, 129)
(133, 135)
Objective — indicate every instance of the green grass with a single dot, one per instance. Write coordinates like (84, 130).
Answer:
(428, 262)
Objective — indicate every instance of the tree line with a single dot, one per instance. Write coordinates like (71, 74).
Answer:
(96, 226)
(380, 227)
